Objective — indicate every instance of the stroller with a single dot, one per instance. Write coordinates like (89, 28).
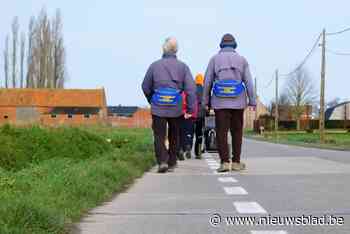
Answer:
(210, 133)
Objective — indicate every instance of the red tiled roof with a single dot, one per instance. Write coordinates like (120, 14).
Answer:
(53, 97)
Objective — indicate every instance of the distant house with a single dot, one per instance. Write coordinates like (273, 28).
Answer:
(129, 117)
(339, 112)
(53, 106)
(250, 115)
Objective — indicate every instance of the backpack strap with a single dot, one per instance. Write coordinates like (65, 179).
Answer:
(173, 79)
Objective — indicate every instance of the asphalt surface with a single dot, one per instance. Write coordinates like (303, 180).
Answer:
(281, 182)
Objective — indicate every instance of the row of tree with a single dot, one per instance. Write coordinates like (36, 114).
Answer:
(297, 94)
(35, 60)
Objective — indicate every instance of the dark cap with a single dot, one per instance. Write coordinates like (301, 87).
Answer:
(228, 41)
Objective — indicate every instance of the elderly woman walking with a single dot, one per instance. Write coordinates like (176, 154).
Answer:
(163, 85)
(229, 89)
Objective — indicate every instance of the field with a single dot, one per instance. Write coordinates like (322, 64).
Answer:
(335, 139)
(49, 178)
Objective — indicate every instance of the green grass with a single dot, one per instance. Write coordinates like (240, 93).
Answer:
(335, 139)
(68, 172)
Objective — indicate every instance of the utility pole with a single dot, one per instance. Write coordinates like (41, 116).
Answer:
(256, 96)
(322, 93)
(276, 104)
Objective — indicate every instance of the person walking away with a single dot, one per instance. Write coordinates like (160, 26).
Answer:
(199, 123)
(187, 131)
(228, 84)
(163, 84)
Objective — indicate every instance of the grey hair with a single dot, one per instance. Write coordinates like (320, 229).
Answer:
(170, 45)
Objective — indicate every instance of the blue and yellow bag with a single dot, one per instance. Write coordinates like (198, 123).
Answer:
(166, 97)
(228, 88)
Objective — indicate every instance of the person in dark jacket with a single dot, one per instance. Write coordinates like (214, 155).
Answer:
(199, 123)
(163, 84)
(187, 131)
(229, 88)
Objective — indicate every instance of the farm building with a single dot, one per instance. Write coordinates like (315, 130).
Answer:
(52, 106)
(339, 112)
(129, 116)
(136, 117)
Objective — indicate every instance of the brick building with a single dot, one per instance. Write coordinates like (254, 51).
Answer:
(52, 106)
(129, 117)
(135, 117)
(250, 115)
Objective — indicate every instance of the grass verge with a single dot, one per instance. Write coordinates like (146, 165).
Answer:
(50, 194)
(335, 140)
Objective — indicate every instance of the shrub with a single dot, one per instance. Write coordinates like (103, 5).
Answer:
(22, 146)
(51, 194)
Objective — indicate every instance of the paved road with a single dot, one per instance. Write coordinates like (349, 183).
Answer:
(281, 181)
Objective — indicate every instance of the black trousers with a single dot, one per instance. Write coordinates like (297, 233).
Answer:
(225, 120)
(199, 125)
(159, 126)
(186, 134)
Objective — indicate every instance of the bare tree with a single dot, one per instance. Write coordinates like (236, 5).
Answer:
(301, 92)
(22, 53)
(59, 52)
(6, 62)
(30, 64)
(45, 55)
(46, 52)
(15, 27)
(283, 99)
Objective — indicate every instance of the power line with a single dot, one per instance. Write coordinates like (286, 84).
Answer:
(306, 58)
(337, 53)
(339, 32)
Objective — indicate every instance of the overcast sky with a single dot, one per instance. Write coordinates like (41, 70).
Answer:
(111, 43)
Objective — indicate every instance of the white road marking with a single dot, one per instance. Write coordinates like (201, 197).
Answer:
(221, 173)
(249, 208)
(213, 167)
(235, 191)
(211, 160)
(214, 164)
(269, 232)
(207, 156)
(227, 180)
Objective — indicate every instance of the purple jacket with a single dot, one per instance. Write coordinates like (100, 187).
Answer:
(228, 64)
(171, 73)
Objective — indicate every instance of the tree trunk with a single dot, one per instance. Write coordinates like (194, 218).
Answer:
(22, 60)
(14, 51)
(6, 62)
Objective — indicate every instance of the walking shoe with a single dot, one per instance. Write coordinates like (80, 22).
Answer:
(163, 167)
(171, 168)
(224, 167)
(188, 154)
(180, 155)
(238, 166)
(199, 156)
(198, 151)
